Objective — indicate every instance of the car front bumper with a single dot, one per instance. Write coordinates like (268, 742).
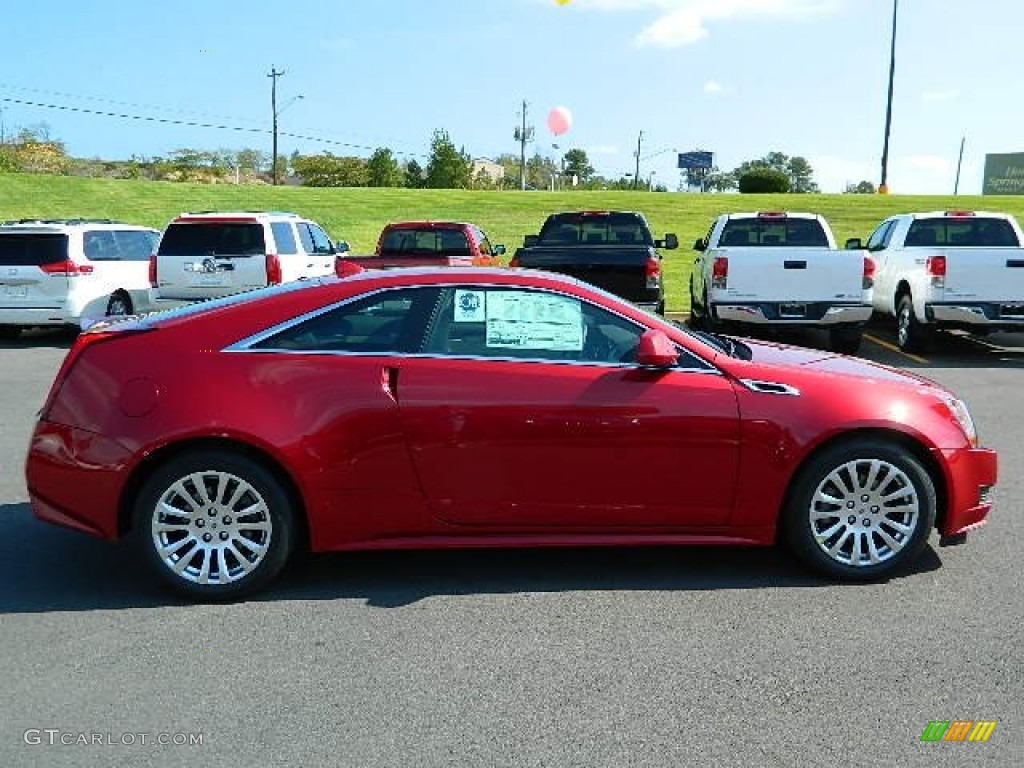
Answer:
(971, 476)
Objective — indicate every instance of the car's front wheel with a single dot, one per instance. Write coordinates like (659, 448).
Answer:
(214, 524)
(860, 510)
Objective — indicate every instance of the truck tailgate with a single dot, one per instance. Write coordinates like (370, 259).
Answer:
(792, 274)
(618, 270)
(987, 274)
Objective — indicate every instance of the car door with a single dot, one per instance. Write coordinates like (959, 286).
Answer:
(525, 411)
(321, 261)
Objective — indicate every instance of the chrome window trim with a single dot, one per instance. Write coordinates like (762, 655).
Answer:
(245, 344)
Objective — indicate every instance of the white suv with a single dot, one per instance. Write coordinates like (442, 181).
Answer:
(57, 272)
(207, 255)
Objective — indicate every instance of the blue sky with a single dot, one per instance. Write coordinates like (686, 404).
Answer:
(738, 77)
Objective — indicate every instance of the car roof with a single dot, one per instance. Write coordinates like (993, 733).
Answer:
(429, 225)
(63, 225)
(197, 217)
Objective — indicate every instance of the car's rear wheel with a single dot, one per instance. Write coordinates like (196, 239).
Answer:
(860, 510)
(120, 304)
(214, 524)
(911, 334)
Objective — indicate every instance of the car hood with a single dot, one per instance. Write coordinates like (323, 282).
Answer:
(769, 355)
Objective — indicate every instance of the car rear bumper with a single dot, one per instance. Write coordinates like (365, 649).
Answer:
(75, 477)
(36, 316)
(814, 314)
(1007, 315)
(971, 473)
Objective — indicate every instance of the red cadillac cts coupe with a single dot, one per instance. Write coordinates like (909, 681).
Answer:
(486, 407)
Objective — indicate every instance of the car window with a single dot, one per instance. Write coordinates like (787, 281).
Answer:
(387, 322)
(321, 242)
(880, 237)
(225, 239)
(135, 244)
(957, 231)
(284, 238)
(32, 249)
(767, 233)
(597, 228)
(305, 237)
(504, 322)
(482, 243)
(99, 246)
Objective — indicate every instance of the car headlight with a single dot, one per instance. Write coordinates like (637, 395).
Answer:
(958, 409)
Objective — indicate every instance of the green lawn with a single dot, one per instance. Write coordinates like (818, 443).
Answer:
(357, 215)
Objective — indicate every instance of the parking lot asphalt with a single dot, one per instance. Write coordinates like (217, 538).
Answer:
(607, 657)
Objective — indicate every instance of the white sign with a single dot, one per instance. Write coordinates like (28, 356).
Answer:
(522, 320)
(470, 306)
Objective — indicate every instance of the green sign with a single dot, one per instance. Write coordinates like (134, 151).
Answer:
(1004, 174)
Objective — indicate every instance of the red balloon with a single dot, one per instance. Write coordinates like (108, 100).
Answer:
(559, 120)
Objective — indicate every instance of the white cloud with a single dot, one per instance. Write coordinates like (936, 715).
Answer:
(713, 86)
(933, 96)
(684, 22)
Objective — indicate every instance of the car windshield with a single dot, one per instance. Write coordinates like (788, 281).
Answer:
(428, 241)
(962, 232)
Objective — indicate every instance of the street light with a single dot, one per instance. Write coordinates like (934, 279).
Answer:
(274, 74)
(883, 188)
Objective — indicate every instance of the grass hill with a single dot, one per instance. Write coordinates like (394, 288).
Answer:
(358, 214)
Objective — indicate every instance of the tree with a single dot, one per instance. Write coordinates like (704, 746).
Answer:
(327, 170)
(413, 175)
(796, 169)
(383, 169)
(448, 168)
(576, 163)
(762, 180)
(860, 188)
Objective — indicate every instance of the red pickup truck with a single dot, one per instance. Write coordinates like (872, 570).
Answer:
(427, 243)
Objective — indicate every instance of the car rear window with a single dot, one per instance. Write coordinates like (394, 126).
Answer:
(595, 229)
(956, 232)
(429, 241)
(226, 239)
(772, 233)
(32, 249)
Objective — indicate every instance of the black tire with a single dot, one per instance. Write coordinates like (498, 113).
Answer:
(893, 530)
(244, 552)
(119, 305)
(845, 341)
(911, 334)
(696, 319)
(9, 332)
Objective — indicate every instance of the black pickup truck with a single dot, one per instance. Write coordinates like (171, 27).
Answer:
(613, 250)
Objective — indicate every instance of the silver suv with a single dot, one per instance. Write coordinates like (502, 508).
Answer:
(59, 272)
(210, 254)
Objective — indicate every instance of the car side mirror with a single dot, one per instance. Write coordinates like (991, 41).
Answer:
(656, 350)
(700, 245)
(341, 247)
(671, 242)
(530, 240)
(854, 244)
(498, 250)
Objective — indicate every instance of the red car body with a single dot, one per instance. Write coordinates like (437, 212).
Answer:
(402, 450)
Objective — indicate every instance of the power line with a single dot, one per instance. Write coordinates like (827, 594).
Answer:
(197, 124)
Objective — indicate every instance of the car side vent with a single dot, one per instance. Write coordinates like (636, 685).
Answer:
(770, 387)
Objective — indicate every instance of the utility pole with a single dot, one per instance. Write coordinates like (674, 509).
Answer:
(522, 134)
(636, 175)
(274, 74)
(959, 162)
(883, 188)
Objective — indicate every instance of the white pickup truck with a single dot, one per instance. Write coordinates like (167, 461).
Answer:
(948, 269)
(780, 270)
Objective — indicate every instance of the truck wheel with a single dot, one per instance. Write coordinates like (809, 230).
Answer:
(9, 331)
(695, 319)
(911, 335)
(845, 341)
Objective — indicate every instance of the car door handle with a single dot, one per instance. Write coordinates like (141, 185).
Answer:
(794, 264)
(1015, 262)
(389, 382)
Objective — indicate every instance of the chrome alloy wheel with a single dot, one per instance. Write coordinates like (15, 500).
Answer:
(903, 320)
(864, 512)
(211, 527)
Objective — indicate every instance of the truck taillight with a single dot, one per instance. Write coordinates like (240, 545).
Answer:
(653, 271)
(869, 273)
(514, 262)
(345, 267)
(720, 272)
(67, 268)
(936, 268)
(152, 270)
(274, 276)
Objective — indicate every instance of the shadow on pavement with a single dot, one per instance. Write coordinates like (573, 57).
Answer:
(50, 569)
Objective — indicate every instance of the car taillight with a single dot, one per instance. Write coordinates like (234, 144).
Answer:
(152, 270)
(514, 261)
(653, 271)
(869, 273)
(274, 276)
(67, 268)
(720, 272)
(936, 268)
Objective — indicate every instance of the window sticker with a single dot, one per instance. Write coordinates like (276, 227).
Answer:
(469, 306)
(520, 320)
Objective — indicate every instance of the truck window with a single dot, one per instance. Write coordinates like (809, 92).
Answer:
(961, 233)
(880, 237)
(754, 233)
(595, 229)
